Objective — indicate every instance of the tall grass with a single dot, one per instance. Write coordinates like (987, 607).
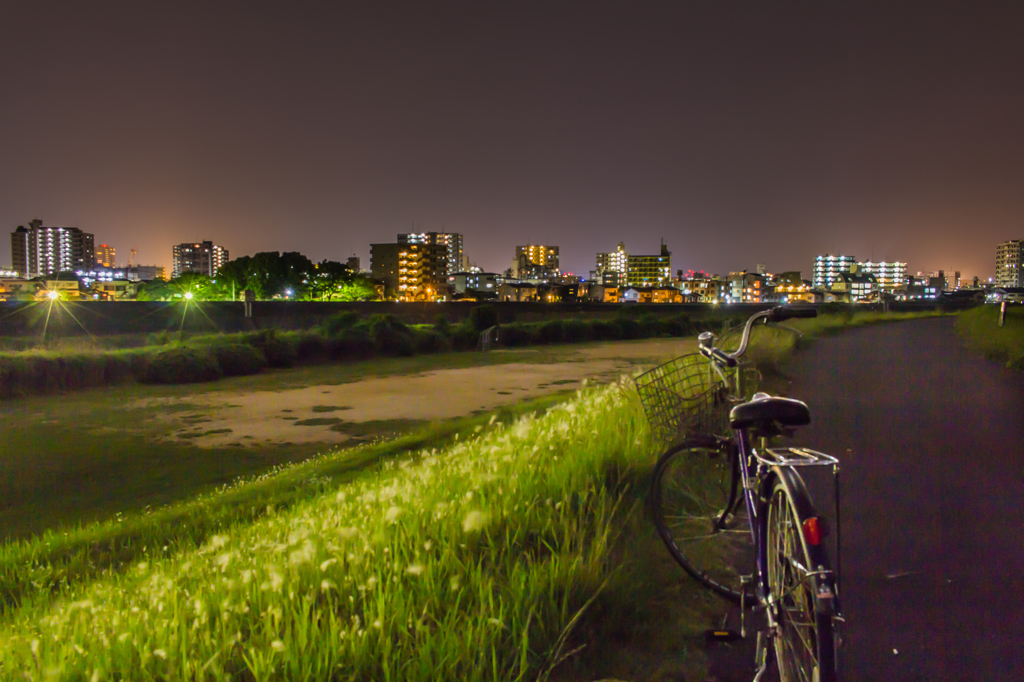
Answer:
(980, 329)
(473, 562)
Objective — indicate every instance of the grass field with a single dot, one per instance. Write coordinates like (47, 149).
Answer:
(979, 327)
(473, 562)
(492, 554)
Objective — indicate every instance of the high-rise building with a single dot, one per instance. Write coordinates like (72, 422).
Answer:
(535, 262)
(206, 258)
(827, 269)
(411, 272)
(452, 241)
(612, 267)
(105, 256)
(39, 250)
(1009, 259)
(888, 275)
(649, 271)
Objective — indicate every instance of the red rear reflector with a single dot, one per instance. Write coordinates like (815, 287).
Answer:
(814, 531)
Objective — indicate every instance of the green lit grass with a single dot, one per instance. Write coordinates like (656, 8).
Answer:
(980, 330)
(478, 561)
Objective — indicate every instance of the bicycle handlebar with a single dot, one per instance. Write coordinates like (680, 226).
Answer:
(776, 314)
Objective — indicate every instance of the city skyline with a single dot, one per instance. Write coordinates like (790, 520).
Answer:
(761, 136)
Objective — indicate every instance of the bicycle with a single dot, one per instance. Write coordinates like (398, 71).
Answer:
(738, 517)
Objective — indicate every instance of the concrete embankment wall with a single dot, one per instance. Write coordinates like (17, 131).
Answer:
(142, 317)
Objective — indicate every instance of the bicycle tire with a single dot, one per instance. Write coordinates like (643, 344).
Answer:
(804, 635)
(694, 482)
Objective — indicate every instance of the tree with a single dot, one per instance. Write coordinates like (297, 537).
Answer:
(190, 285)
(328, 279)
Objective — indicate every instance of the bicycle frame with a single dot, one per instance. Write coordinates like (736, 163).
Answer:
(753, 473)
(789, 575)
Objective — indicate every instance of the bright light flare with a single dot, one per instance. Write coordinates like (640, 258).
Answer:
(53, 295)
(188, 295)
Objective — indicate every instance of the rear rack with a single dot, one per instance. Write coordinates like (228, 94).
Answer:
(793, 457)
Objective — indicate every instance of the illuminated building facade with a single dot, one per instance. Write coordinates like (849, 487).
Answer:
(205, 258)
(105, 256)
(535, 262)
(827, 269)
(39, 250)
(745, 287)
(411, 271)
(452, 241)
(1009, 259)
(889, 276)
(612, 267)
(649, 271)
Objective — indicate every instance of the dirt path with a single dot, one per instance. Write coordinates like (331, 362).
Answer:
(333, 414)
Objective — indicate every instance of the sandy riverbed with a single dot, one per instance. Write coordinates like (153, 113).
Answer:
(323, 414)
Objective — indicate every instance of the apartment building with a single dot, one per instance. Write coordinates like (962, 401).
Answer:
(205, 258)
(105, 256)
(38, 250)
(452, 241)
(479, 281)
(534, 261)
(890, 276)
(861, 286)
(827, 268)
(746, 287)
(1009, 259)
(649, 271)
(612, 267)
(701, 288)
(411, 271)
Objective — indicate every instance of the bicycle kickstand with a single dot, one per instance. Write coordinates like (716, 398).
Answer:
(724, 635)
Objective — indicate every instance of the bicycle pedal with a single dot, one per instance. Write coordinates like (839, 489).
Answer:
(722, 635)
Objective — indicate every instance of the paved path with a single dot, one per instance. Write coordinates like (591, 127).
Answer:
(933, 495)
(932, 503)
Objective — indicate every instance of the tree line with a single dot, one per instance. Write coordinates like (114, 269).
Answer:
(269, 275)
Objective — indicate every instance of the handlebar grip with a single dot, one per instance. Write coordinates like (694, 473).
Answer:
(781, 313)
(720, 355)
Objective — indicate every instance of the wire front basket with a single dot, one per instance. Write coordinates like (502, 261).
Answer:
(684, 397)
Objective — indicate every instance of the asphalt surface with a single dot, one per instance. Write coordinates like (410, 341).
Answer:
(931, 438)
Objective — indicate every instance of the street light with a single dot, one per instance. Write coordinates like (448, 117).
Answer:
(53, 295)
(188, 295)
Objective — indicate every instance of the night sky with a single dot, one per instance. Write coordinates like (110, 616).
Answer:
(739, 135)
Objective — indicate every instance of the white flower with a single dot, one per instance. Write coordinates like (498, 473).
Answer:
(392, 514)
(474, 521)
(160, 653)
(327, 564)
(327, 585)
(414, 569)
(277, 645)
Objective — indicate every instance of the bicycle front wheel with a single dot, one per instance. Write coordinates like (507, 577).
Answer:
(700, 515)
(804, 638)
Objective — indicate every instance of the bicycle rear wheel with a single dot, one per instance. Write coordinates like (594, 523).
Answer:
(700, 515)
(804, 637)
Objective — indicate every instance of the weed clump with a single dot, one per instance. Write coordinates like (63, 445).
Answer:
(239, 359)
(275, 348)
(181, 365)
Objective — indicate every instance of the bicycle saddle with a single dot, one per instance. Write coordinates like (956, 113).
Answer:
(769, 410)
